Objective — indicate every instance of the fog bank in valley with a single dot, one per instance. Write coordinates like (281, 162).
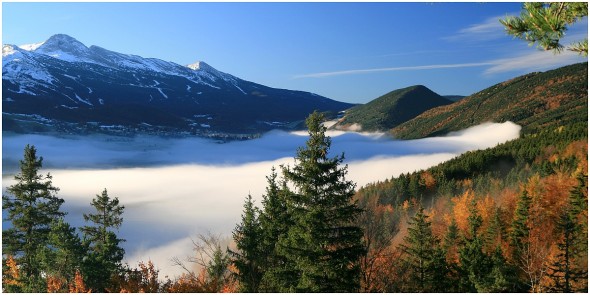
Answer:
(174, 189)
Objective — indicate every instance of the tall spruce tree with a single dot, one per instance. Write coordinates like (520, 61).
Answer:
(64, 256)
(249, 258)
(323, 243)
(520, 227)
(475, 264)
(424, 257)
(31, 207)
(275, 220)
(104, 261)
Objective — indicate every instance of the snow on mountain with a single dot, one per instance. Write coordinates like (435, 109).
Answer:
(63, 79)
(31, 47)
(17, 64)
(8, 50)
(66, 48)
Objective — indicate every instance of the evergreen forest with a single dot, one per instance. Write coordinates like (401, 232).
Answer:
(512, 218)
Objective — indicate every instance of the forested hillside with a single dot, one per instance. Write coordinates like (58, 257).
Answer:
(534, 101)
(512, 218)
(391, 109)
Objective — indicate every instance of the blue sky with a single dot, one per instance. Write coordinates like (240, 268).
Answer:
(351, 52)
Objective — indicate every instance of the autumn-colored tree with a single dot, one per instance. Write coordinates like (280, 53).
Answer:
(143, 279)
(379, 223)
(566, 271)
(55, 284)
(213, 265)
(10, 276)
(78, 285)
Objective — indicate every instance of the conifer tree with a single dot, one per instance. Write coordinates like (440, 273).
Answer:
(105, 255)
(451, 249)
(31, 206)
(248, 260)
(323, 242)
(546, 24)
(275, 220)
(424, 256)
(496, 232)
(520, 227)
(64, 256)
(475, 264)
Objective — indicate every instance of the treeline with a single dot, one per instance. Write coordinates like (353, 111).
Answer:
(512, 218)
(507, 219)
(304, 239)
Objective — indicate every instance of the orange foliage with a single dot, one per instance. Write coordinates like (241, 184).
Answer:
(507, 199)
(78, 286)
(12, 274)
(438, 217)
(486, 208)
(140, 280)
(461, 208)
(54, 284)
(428, 180)
(578, 149)
(186, 283)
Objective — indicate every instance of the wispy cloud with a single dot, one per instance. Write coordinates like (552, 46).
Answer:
(535, 61)
(489, 29)
(393, 69)
(530, 60)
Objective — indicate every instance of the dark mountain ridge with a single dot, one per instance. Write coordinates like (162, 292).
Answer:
(72, 86)
(391, 109)
(534, 101)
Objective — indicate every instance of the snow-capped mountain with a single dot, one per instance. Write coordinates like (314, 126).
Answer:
(63, 81)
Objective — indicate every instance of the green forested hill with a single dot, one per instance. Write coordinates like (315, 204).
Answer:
(392, 109)
(534, 101)
(478, 204)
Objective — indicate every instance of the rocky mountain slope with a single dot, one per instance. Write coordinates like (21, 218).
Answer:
(61, 84)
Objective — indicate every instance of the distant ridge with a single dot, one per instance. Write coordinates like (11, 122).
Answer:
(534, 101)
(61, 85)
(391, 109)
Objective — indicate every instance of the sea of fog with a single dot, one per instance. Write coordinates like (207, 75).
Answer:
(175, 189)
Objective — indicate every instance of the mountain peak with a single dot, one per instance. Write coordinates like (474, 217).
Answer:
(393, 108)
(200, 65)
(64, 47)
(62, 41)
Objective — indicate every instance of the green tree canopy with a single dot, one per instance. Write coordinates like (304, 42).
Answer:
(323, 242)
(31, 207)
(105, 256)
(546, 23)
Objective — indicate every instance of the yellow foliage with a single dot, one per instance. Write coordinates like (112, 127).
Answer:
(12, 275)
(461, 208)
